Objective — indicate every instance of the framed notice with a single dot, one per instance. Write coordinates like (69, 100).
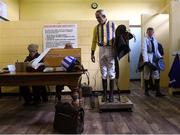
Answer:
(57, 35)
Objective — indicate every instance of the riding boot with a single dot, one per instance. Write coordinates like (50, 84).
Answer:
(157, 88)
(151, 84)
(111, 97)
(104, 82)
(146, 83)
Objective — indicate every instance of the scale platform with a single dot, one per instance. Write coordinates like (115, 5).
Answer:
(124, 104)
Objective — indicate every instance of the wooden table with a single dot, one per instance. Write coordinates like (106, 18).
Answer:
(69, 79)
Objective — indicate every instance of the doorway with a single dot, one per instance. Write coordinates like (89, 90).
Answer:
(135, 47)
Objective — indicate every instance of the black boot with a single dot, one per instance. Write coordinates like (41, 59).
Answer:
(146, 83)
(36, 91)
(151, 84)
(27, 95)
(44, 94)
(104, 82)
(111, 97)
(157, 88)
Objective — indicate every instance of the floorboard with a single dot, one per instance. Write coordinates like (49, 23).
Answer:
(150, 115)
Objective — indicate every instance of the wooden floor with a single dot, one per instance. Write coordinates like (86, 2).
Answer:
(150, 115)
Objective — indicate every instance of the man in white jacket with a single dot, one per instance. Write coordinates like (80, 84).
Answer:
(151, 54)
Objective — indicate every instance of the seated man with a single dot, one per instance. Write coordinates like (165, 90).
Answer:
(59, 88)
(37, 91)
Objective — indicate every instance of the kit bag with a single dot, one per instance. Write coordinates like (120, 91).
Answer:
(68, 119)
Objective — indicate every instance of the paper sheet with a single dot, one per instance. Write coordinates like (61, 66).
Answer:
(35, 63)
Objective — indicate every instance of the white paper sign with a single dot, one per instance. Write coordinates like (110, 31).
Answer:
(57, 35)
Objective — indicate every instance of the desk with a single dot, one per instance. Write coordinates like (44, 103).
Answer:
(69, 79)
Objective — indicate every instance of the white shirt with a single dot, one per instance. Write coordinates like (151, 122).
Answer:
(147, 49)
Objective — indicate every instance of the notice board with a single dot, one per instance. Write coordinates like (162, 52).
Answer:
(57, 35)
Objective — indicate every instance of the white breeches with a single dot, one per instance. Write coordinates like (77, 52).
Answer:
(148, 72)
(107, 62)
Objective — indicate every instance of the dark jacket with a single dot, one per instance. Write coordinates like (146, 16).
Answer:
(122, 43)
(160, 49)
(174, 74)
(140, 66)
(30, 69)
(29, 58)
